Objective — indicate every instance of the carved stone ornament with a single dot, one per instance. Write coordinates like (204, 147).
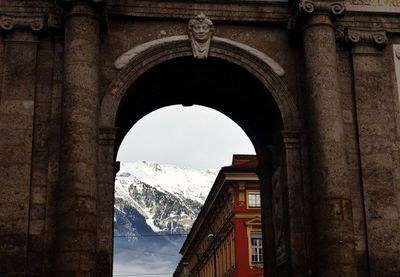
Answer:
(308, 7)
(200, 32)
(377, 37)
(9, 23)
(333, 8)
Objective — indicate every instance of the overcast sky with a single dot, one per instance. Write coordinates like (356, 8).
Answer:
(195, 137)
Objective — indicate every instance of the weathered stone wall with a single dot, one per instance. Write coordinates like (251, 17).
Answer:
(50, 100)
(375, 108)
(27, 61)
(122, 36)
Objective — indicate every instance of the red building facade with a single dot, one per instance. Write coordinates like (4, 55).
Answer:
(226, 238)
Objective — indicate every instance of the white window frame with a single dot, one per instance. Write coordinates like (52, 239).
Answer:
(256, 202)
(256, 248)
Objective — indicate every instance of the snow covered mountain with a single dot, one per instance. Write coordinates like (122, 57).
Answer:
(155, 206)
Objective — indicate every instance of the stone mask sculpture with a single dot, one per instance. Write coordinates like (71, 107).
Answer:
(200, 31)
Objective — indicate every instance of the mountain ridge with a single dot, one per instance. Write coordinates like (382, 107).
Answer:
(155, 207)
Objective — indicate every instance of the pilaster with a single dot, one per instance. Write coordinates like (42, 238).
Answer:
(299, 256)
(105, 213)
(374, 109)
(19, 46)
(76, 242)
(333, 223)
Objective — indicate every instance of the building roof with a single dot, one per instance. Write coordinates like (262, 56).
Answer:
(243, 162)
(244, 167)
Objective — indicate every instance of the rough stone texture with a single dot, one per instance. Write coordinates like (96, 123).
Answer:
(379, 157)
(352, 157)
(332, 202)
(75, 253)
(64, 110)
(17, 106)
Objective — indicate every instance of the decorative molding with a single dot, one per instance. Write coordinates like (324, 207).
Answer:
(200, 32)
(133, 63)
(242, 11)
(304, 8)
(217, 42)
(377, 38)
(10, 23)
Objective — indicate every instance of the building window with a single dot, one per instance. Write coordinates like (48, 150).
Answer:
(254, 200)
(256, 248)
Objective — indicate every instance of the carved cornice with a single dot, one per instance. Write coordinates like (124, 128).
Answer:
(376, 38)
(306, 8)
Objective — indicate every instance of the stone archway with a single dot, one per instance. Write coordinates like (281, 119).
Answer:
(137, 62)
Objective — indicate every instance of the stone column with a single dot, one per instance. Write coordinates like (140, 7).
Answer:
(75, 253)
(333, 223)
(18, 68)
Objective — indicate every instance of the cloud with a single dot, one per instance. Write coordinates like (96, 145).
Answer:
(194, 137)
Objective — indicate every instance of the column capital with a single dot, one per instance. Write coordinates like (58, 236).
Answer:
(10, 23)
(35, 24)
(305, 8)
(375, 38)
(309, 7)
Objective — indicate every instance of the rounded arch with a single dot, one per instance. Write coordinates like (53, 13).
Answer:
(133, 63)
(262, 107)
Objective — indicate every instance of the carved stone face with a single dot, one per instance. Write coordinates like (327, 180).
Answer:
(201, 28)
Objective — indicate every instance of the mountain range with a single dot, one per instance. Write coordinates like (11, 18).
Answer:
(155, 207)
